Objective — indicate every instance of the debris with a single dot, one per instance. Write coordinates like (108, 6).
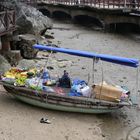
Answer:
(60, 60)
(48, 36)
(95, 70)
(50, 68)
(121, 81)
(61, 65)
(83, 68)
(49, 41)
(124, 78)
(45, 55)
(103, 135)
(45, 120)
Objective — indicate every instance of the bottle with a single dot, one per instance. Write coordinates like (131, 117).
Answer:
(38, 74)
(45, 76)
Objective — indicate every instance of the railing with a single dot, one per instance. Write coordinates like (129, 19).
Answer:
(29, 2)
(7, 20)
(135, 4)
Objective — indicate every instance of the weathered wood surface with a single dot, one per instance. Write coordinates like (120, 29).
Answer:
(7, 20)
(55, 98)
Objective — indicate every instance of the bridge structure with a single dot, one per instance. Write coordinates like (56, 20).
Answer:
(7, 26)
(7, 20)
(112, 4)
(106, 13)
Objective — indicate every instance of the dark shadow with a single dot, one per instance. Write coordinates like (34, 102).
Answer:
(124, 28)
(87, 21)
(45, 12)
(61, 15)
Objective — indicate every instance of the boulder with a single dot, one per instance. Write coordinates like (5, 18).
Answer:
(29, 19)
(4, 65)
(24, 63)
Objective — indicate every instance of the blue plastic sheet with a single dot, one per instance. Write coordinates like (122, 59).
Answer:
(109, 58)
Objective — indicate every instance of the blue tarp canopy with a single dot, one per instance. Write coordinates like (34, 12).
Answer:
(109, 58)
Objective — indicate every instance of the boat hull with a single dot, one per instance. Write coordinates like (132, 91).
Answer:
(62, 107)
(61, 103)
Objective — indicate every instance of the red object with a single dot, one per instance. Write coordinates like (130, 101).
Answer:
(59, 90)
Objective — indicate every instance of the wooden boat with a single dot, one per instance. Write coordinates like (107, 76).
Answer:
(63, 103)
(71, 103)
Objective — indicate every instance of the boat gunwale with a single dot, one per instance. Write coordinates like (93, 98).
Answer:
(84, 106)
(47, 96)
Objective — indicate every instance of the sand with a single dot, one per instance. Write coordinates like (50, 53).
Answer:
(19, 121)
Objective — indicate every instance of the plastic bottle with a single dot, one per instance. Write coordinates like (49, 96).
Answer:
(38, 74)
(45, 76)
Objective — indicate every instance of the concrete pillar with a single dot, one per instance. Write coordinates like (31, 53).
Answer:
(107, 28)
(13, 56)
(5, 43)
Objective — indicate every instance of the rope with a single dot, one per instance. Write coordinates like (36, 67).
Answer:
(95, 60)
(46, 62)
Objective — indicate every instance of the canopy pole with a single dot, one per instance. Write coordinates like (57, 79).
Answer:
(102, 72)
(93, 69)
(137, 81)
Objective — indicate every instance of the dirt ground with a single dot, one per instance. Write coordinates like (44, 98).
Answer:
(22, 121)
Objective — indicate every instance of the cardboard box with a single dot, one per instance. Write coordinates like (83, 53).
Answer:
(107, 92)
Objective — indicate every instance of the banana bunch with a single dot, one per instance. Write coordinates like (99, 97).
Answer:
(8, 74)
(12, 73)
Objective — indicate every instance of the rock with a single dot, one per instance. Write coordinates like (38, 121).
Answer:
(48, 35)
(2, 132)
(29, 19)
(61, 65)
(124, 78)
(25, 44)
(61, 60)
(4, 65)
(83, 68)
(50, 68)
(121, 81)
(13, 56)
(103, 135)
(26, 63)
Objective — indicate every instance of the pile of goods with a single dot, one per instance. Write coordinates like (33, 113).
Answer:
(40, 80)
